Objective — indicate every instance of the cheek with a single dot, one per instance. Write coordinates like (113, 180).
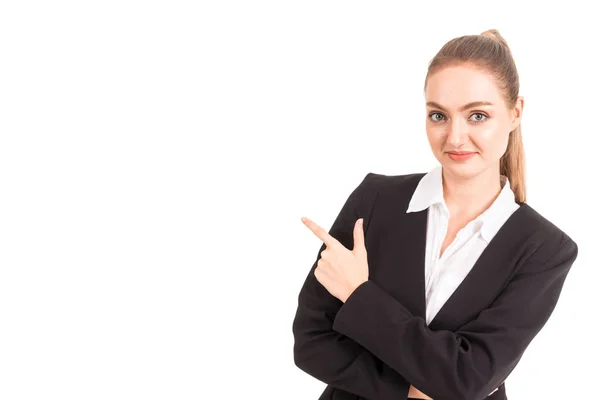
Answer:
(492, 140)
(435, 137)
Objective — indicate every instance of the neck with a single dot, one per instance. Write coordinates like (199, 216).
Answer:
(470, 197)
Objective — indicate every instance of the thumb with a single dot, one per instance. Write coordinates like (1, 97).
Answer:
(359, 237)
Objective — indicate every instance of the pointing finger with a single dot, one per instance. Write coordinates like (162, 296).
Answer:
(320, 233)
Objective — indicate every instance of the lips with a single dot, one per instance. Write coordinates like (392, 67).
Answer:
(461, 156)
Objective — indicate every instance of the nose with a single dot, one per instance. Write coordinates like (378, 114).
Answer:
(457, 132)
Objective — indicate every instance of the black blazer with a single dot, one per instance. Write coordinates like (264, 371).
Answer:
(377, 344)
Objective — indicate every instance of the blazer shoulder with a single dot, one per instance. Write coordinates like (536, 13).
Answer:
(394, 180)
(404, 182)
(397, 189)
(546, 238)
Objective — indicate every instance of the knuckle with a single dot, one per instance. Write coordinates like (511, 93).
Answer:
(318, 273)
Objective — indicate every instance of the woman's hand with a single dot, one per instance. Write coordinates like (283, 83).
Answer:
(341, 270)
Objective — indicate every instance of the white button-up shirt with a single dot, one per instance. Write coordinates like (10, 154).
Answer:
(444, 274)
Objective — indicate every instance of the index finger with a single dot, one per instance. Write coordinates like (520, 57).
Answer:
(320, 232)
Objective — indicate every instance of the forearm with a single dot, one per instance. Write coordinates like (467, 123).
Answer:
(475, 359)
(341, 362)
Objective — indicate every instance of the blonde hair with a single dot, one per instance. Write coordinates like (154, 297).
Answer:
(490, 52)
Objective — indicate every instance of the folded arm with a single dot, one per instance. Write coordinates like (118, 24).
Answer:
(470, 362)
(330, 356)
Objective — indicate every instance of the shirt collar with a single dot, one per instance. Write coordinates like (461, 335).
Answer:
(494, 217)
(430, 191)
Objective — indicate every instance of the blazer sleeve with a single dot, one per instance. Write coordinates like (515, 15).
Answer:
(330, 356)
(470, 362)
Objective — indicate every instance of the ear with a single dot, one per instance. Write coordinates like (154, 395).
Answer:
(517, 112)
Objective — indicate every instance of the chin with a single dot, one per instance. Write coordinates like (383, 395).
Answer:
(464, 170)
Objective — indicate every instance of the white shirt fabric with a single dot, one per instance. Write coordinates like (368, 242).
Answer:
(444, 274)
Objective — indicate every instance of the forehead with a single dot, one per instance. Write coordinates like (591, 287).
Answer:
(457, 85)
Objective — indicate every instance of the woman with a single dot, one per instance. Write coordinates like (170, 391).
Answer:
(433, 285)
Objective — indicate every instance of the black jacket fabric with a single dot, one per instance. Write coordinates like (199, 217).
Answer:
(377, 343)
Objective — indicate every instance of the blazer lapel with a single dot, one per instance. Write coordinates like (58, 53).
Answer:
(396, 244)
(485, 280)
(398, 256)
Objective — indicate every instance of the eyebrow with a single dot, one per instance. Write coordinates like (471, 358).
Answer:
(463, 108)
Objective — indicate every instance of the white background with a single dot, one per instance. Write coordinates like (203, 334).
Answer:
(156, 158)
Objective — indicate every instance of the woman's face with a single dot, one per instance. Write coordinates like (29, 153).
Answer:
(457, 121)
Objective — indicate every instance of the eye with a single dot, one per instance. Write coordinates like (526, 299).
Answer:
(434, 119)
(478, 120)
(482, 117)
